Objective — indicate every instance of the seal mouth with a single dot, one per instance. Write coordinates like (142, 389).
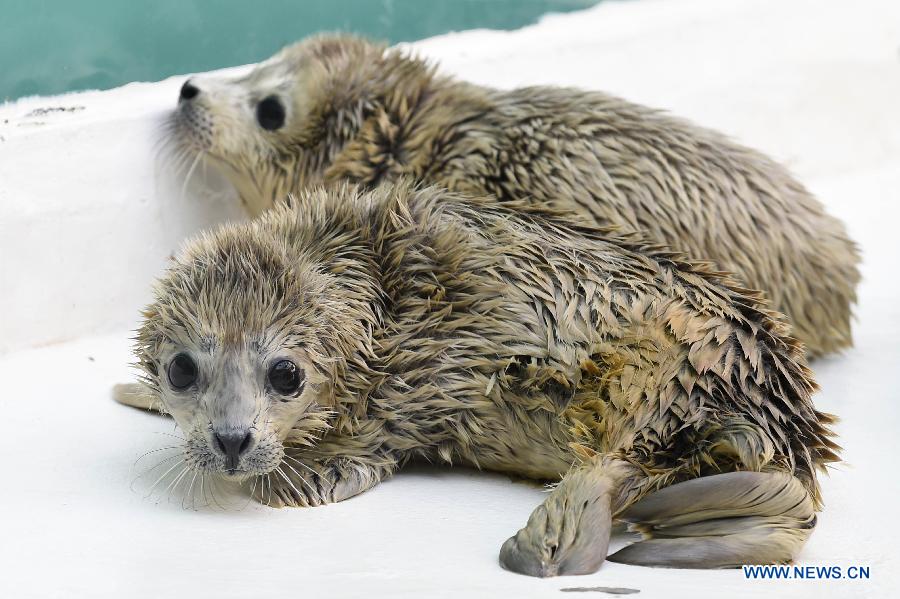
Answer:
(234, 474)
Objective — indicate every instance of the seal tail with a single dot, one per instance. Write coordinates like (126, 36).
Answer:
(721, 521)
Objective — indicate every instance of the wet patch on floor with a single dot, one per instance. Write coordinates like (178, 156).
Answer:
(607, 590)
(43, 111)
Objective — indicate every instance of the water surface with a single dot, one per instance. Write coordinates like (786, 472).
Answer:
(53, 46)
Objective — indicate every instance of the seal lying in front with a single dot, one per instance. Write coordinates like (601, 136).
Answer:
(332, 109)
(352, 331)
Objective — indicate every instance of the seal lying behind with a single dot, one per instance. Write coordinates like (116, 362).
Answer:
(340, 108)
(351, 331)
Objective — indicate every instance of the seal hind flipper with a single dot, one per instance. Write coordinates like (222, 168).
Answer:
(721, 521)
(137, 395)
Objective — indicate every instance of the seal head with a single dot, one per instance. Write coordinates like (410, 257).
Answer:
(238, 347)
(260, 122)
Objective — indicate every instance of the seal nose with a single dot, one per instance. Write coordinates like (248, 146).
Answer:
(188, 91)
(233, 444)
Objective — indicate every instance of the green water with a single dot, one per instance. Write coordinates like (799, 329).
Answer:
(53, 46)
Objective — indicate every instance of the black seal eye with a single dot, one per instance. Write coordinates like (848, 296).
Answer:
(285, 377)
(270, 114)
(182, 372)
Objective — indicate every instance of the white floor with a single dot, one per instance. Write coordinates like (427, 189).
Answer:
(85, 224)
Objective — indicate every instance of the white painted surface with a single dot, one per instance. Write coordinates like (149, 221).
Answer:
(86, 224)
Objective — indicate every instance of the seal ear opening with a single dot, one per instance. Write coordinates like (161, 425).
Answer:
(137, 395)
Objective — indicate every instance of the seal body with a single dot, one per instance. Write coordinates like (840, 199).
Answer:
(427, 324)
(332, 109)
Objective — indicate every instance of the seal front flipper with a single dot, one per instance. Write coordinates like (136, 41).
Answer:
(721, 521)
(569, 533)
(137, 395)
(298, 483)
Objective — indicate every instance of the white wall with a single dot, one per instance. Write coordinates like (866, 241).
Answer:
(85, 223)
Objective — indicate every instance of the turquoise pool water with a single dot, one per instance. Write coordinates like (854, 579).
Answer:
(53, 46)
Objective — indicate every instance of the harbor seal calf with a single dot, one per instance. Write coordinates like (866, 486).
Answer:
(340, 108)
(343, 333)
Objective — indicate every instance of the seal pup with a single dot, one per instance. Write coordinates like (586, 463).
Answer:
(341, 108)
(342, 333)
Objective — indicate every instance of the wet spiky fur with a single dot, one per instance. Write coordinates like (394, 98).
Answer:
(464, 330)
(359, 112)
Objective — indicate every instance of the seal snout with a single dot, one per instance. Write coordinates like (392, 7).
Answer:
(233, 444)
(189, 91)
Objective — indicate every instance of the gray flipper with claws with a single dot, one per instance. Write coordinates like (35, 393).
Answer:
(721, 521)
(569, 533)
(296, 483)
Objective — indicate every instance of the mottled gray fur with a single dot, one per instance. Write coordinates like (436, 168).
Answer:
(356, 111)
(467, 331)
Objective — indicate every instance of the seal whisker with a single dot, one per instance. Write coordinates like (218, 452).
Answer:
(166, 492)
(173, 486)
(291, 483)
(170, 435)
(306, 482)
(162, 461)
(298, 462)
(150, 469)
(262, 490)
(152, 451)
(165, 474)
(190, 173)
(203, 488)
(212, 491)
(190, 492)
(252, 491)
(269, 481)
